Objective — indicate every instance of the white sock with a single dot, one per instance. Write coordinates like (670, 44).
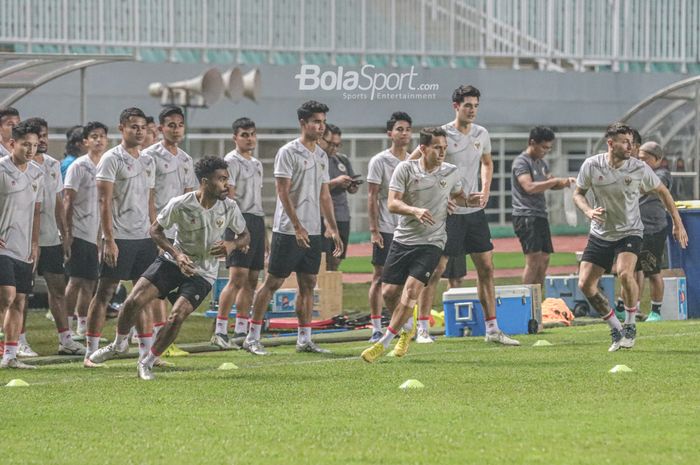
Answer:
(629, 315)
(121, 341)
(376, 322)
(492, 326)
(64, 337)
(93, 343)
(10, 351)
(612, 320)
(408, 326)
(241, 324)
(254, 333)
(71, 319)
(304, 334)
(389, 336)
(221, 325)
(423, 323)
(145, 344)
(23, 338)
(156, 329)
(149, 359)
(82, 324)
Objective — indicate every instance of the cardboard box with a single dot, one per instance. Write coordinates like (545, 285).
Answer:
(675, 303)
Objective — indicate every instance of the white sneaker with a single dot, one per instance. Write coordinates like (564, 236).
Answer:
(254, 347)
(25, 351)
(501, 338)
(616, 336)
(221, 341)
(72, 348)
(107, 352)
(144, 372)
(17, 364)
(629, 334)
(424, 337)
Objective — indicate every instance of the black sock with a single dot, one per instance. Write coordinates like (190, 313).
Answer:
(656, 307)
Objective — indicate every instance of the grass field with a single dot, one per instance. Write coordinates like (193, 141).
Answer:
(481, 404)
(501, 260)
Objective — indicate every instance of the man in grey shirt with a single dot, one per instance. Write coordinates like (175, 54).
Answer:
(655, 229)
(469, 148)
(382, 223)
(342, 182)
(616, 181)
(419, 191)
(21, 192)
(244, 266)
(530, 179)
(52, 246)
(125, 178)
(301, 178)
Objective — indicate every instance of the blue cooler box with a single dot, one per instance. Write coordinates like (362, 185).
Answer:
(517, 309)
(566, 288)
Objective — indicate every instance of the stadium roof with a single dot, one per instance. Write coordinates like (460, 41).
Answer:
(21, 73)
(671, 117)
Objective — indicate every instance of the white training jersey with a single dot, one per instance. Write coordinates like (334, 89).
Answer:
(80, 178)
(381, 168)
(133, 179)
(247, 177)
(19, 191)
(465, 152)
(198, 229)
(53, 184)
(617, 190)
(423, 189)
(308, 171)
(174, 174)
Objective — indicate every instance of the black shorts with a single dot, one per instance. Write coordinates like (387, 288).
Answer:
(467, 234)
(652, 254)
(135, 256)
(83, 261)
(602, 253)
(343, 230)
(50, 260)
(534, 234)
(17, 274)
(456, 268)
(418, 261)
(379, 254)
(167, 277)
(286, 256)
(255, 258)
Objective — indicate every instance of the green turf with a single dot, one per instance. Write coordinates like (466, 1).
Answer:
(481, 404)
(501, 260)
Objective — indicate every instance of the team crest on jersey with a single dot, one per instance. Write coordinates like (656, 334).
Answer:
(219, 222)
(166, 165)
(148, 172)
(443, 183)
(53, 174)
(628, 180)
(477, 145)
(35, 186)
(342, 167)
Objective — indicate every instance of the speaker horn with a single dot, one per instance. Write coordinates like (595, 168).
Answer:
(209, 85)
(233, 84)
(251, 84)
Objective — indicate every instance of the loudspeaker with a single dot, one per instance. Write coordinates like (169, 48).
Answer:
(203, 90)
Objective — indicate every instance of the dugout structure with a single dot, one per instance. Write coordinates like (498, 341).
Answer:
(21, 73)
